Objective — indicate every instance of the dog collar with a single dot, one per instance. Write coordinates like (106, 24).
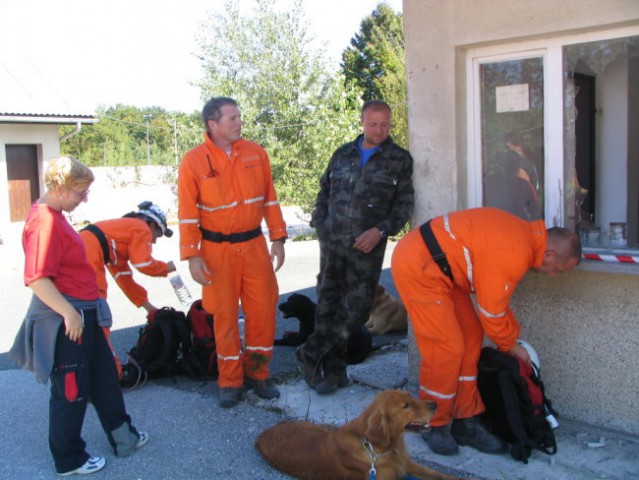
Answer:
(373, 455)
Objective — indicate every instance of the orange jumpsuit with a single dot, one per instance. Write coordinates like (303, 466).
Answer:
(231, 194)
(489, 251)
(130, 240)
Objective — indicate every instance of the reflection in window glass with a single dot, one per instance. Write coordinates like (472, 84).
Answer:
(601, 145)
(512, 119)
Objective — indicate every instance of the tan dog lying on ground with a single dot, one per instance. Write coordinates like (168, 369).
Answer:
(388, 313)
(375, 439)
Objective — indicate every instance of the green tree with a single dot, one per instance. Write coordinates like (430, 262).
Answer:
(375, 62)
(119, 138)
(290, 102)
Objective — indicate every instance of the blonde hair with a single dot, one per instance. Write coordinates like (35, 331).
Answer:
(66, 172)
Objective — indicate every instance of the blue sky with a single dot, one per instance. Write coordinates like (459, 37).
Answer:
(139, 52)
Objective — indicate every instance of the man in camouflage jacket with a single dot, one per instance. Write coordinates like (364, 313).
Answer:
(366, 194)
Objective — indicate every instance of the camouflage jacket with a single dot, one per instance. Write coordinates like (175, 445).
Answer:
(353, 199)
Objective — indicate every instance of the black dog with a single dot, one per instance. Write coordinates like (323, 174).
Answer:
(360, 343)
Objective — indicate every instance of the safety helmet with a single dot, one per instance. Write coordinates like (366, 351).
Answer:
(151, 211)
(534, 358)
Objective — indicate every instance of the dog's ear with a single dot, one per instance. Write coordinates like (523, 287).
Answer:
(378, 430)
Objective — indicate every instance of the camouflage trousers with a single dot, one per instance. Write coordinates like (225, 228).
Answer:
(345, 293)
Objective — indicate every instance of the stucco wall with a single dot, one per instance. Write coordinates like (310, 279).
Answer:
(584, 326)
(582, 323)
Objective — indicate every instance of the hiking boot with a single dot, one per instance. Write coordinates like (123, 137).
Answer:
(334, 378)
(93, 464)
(472, 432)
(338, 376)
(326, 386)
(263, 388)
(312, 373)
(228, 397)
(440, 440)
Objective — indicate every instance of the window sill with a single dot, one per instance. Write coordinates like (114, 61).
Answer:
(605, 260)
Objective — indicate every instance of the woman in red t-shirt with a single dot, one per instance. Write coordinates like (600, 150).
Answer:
(60, 338)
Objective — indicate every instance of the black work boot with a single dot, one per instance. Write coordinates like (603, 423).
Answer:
(440, 440)
(472, 432)
(228, 397)
(334, 377)
(312, 372)
(263, 388)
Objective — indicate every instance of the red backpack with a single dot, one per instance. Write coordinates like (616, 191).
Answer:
(203, 352)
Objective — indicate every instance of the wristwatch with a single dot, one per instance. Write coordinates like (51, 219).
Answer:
(382, 233)
(283, 240)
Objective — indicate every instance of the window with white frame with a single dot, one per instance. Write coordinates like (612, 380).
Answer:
(512, 135)
(555, 133)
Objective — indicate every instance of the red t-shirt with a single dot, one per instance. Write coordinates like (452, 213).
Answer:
(54, 249)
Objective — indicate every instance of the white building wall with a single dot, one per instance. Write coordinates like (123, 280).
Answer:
(575, 320)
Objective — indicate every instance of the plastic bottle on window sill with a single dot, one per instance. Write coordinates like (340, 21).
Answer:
(618, 238)
(181, 290)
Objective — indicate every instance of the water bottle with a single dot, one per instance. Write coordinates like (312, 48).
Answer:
(550, 418)
(182, 292)
(240, 327)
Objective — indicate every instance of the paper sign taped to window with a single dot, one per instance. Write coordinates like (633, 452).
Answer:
(512, 98)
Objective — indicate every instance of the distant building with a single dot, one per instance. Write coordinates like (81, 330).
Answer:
(30, 113)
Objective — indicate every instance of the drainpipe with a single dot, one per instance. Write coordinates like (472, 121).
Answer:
(73, 133)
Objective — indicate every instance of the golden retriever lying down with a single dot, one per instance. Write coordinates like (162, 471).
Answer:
(387, 313)
(375, 439)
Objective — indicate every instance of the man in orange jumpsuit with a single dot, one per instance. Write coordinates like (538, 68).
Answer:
(436, 267)
(114, 243)
(225, 189)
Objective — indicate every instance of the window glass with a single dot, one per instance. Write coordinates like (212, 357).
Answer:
(512, 136)
(601, 141)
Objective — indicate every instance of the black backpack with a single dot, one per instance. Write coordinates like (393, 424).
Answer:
(516, 406)
(164, 344)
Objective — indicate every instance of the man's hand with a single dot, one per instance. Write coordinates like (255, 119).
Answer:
(368, 240)
(521, 352)
(170, 266)
(277, 252)
(199, 270)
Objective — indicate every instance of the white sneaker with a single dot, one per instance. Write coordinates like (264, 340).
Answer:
(144, 438)
(93, 464)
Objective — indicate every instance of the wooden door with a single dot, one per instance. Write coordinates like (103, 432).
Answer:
(22, 174)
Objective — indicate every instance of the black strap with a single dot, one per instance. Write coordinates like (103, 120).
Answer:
(218, 237)
(99, 234)
(435, 250)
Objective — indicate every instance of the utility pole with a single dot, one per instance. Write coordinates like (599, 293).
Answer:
(147, 117)
(173, 123)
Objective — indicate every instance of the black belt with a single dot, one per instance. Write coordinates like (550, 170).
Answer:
(435, 250)
(99, 234)
(218, 237)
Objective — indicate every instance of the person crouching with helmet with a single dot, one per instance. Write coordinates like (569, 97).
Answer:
(120, 243)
